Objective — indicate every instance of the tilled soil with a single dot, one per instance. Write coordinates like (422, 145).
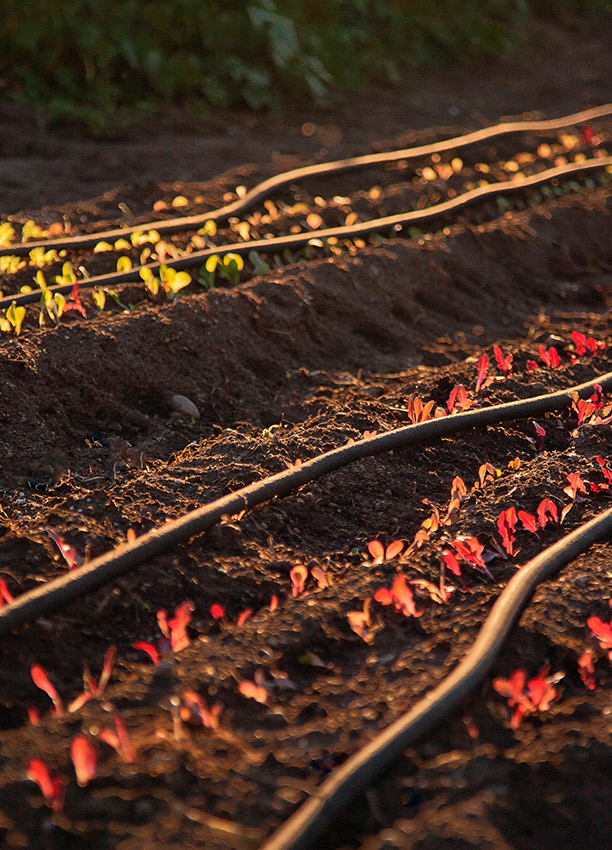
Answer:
(283, 367)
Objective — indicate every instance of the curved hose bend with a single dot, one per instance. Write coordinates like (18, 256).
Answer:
(315, 816)
(267, 187)
(301, 240)
(41, 600)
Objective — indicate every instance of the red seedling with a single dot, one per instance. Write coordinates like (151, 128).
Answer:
(587, 135)
(503, 361)
(69, 553)
(244, 616)
(450, 562)
(178, 626)
(583, 408)
(52, 787)
(513, 689)
(541, 689)
(550, 357)
(193, 703)
(607, 472)
(75, 304)
(361, 622)
(547, 512)
(119, 740)
(84, 757)
(532, 366)
(273, 602)
(483, 368)
(33, 715)
(400, 596)
(5, 593)
(42, 681)
(584, 345)
(575, 486)
(380, 554)
(298, 575)
(586, 668)
(458, 399)
(217, 611)
(438, 593)
(471, 550)
(321, 577)
(539, 438)
(529, 522)
(603, 633)
(149, 648)
(93, 689)
(506, 524)
(253, 691)
(538, 695)
(417, 411)
(487, 473)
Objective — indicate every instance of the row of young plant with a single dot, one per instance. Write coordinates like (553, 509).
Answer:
(455, 553)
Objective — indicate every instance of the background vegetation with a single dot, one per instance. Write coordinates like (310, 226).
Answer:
(94, 60)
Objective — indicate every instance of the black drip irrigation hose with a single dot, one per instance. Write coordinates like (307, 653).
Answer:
(267, 187)
(299, 240)
(311, 820)
(52, 595)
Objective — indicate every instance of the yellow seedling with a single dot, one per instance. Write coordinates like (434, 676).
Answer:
(150, 281)
(15, 316)
(173, 281)
(100, 247)
(99, 297)
(11, 264)
(140, 238)
(7, 234)
(124, 264)
(67, 277)
(209, 229)
(31, 230)
(39, 257)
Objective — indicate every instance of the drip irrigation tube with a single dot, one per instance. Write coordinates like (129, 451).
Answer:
(52, 595)
(299, 240)
(267, 187)
(311, 820)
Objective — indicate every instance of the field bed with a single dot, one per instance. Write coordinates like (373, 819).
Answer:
(282, 366)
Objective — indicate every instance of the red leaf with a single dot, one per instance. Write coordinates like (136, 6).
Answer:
(217, 611)
(531, 366)
(178, 626)
(393, 549)
(579, 341)
(244, 616)
(504, 361)
(5, 594)
(602, 631)
(52, 787)
(361, 623)
(451, 562)
(541, 692)
(69, 553)
(84, 757)
(530, 523)
(42, 681)
(506, 523)
(483, 366)
(377, 551)
(576, 485)
(322, 578)
(253, 691)
(586, 668)
(384, 596)
(511, 688)
(298, 575)
(546, 509)
(403, 598)
(149, 648)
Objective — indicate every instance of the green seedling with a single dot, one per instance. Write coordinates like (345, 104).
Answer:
(259, 266)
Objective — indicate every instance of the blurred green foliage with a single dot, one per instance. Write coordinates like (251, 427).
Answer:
(89, 60)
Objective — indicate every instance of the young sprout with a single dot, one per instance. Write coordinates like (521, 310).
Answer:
(52, 787)
(42, 681)
(84, 758)
(298, 576)
(15, 316)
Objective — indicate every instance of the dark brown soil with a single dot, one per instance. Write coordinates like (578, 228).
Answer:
(281, 368)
